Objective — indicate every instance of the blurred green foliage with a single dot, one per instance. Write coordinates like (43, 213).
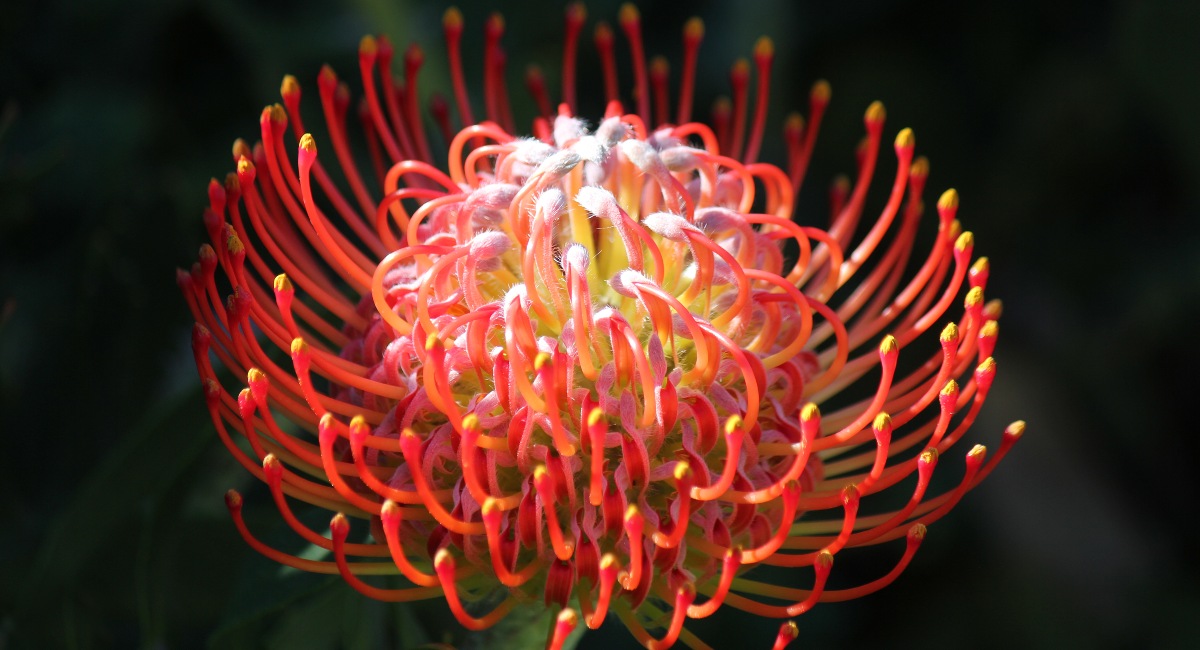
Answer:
(1068, 128)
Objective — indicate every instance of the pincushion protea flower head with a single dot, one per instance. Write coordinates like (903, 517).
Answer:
(584, 368)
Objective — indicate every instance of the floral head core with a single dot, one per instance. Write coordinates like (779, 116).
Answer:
(583, 368)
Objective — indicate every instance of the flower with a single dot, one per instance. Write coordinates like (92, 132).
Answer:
(584, 368)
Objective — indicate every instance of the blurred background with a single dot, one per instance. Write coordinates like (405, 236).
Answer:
(1069, 130)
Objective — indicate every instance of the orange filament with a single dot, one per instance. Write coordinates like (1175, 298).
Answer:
(634, 525)
(693, 33)
(390, 517)
(764, 54)
(766, 552)
(509, 578)
(734, 433)
(683, 483)
(443, 564)
(822, 567)
(609, 568)
(452, 26)
(603, 39)
(564, 624)
(787, 633)
(340, 528)
(410, 445)
(683, 599)
(729, 568)
(562, 548)
(233, 501)
(632, 25)
(575, 15)
(367, 51)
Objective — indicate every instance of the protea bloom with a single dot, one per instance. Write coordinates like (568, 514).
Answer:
(583, 368)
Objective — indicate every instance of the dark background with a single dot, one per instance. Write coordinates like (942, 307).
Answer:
(1070, 132)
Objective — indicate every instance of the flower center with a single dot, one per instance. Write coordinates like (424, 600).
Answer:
(602, 324)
